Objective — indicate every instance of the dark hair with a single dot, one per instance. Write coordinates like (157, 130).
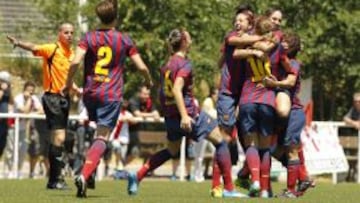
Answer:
(270, 11)
(212, 91)
(243, 7)
(175, 38)
(29, 84)
(294, 43)
(106, 11)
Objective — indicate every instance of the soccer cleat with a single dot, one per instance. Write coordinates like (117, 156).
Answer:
(288, 194)
(233, 193)
(254, 189)
(58, 185)
(217, 192)
(265, 194)
(132, 184)
(243, 182)
(81, 186)
(304, 185)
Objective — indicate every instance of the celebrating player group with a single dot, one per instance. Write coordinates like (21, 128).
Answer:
(258, 96)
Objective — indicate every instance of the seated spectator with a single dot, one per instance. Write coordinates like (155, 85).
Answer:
(26, 103)
(140, 105)
(352, 118)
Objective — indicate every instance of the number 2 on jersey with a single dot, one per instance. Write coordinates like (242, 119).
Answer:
(259, 68)
(104, 55)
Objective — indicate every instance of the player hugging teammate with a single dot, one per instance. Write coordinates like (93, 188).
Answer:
(261, 77)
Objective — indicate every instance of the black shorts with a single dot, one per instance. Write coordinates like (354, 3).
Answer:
(56, 109)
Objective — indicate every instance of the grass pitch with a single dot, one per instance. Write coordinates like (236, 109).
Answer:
(160, 191)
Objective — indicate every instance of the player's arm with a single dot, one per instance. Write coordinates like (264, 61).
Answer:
(350, 122)
(244, 40)
(179, 99)
(75, 63)
(140, 65)
(244, 53)
(287, 83)
(24, 45)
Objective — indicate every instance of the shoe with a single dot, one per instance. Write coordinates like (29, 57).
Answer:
(243, 182)
(233, 193)
(81, 186)
(132, 184)
(265, 194)
(173, 177)
(254, 189)
(287, 194)
(216, 192)
(90, 184)
(58, 185)
(305, 184)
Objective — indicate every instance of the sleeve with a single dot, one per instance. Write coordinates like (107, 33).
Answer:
(130, 46)
(350, 113)
(134, 105)
(184, 72)
(83, 43)
(37, 103)
(18, 103)
(229, 35)
(44, 50)
(295, 67)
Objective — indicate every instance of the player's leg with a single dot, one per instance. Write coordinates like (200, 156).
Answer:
(105, 115)
(248, 127)
(206, 127)
(283, 106)
(174, 135)
(56, 110)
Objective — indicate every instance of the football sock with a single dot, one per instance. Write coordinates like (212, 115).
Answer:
(253, 162)
(216, 174)
(265, 169)
(93, 156)
(222, 156)
(155, 161)
(292, 174)
(56, 162)
(303, 174)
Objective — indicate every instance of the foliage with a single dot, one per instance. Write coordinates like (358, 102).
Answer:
(329, 29)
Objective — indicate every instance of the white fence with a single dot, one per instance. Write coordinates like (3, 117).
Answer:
(331, 168)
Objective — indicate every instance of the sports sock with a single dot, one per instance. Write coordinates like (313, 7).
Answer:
(56, 162)
(155, 161)
(93, 156)
(244, 171)
(253, 162)
(222, 156)
(303, 174)
(292, 174)
(265, 169)
(216, 174)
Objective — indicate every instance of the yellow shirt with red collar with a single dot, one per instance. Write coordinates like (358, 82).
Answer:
(54, 77)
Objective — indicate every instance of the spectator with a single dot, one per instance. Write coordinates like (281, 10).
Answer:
(142, 106)
(120, 137)
(25, 102)
(352, 118)
(5, 98)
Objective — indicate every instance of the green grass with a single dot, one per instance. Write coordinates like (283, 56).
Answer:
(161, 191)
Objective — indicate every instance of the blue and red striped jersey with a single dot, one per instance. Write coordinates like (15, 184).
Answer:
(232, 71)
(177, 66)
(294, 92)
(106, 51)
(253, 90)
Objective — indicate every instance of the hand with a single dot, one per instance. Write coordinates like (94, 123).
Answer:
(27, 95)
(185, 123)
(268, 81)
(259, 54)
(65, 90)
(12, 40)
